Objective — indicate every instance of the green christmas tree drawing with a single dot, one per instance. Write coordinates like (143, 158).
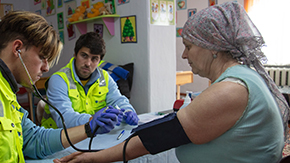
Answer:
(128, 31)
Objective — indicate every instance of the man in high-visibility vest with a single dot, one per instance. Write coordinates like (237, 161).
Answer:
(28, 46)
(81, 88)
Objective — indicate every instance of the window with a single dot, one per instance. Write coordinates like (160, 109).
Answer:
(272, 18)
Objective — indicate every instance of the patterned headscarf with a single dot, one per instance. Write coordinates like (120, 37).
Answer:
(227, 27)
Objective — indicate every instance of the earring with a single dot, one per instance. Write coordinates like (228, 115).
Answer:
(214, 56)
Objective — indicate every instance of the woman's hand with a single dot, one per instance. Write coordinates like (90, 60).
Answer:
(76, 157)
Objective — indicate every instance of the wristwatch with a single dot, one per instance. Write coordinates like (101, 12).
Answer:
(88, 130)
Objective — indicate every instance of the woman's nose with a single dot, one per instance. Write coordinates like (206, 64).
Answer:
(184, 55)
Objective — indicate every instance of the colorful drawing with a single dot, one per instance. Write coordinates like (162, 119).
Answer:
(181, 4)
(212, 2)
(178, 32)
(112, 5)
(38, 12)
(170, 6)
(50, 7)
(59, 3)
(191, 12)
(70, 8)
(170, 13)
(86, 3)
(60, 22)
(98, 28)
(43, 4)
(61, 36)
(128, 29)
(5, 9)
(120, 2)
(36, 2)
(154, 10)
(162, 12)
(71, 34)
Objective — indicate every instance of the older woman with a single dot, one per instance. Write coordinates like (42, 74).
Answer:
(241, 117)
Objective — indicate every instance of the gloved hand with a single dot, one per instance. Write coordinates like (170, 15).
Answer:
(130, 117)
(120, 118)
(106, 121)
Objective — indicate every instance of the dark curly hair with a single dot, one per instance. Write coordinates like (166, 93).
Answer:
(93, 41)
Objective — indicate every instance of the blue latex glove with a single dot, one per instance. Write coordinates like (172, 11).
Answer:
(106, 121)
(130, 117)
(120, 118)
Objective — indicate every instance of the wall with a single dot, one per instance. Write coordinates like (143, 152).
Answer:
(199, 83)
(153, 56)
(17, 4)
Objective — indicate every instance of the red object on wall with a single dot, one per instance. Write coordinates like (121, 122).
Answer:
(177, 104)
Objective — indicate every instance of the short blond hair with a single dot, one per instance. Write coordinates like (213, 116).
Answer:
(33, 30)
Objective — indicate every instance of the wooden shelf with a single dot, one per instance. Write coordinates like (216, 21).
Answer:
(107, 19)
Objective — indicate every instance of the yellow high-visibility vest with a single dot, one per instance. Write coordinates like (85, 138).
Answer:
(89, 103)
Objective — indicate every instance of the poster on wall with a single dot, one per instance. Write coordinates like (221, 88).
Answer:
(98, 28)
(128, 29)
(178, 31)
(121, 2)
(59, 3)
(38, 12)
(43, 4)
(60, 23)
(36, 2)
(69, 8)
(191, 12)
(50, 7)
(212, 2)
(5, 9)
(61, 36)
(181, 4)
(86, 3)
(162, 12)
(112, 5)
(71, 34)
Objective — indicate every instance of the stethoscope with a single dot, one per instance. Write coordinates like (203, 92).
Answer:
(37, 94)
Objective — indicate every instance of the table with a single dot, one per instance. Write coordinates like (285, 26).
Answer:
(110, 139)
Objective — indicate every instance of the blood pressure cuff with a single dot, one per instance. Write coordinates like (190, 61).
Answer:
(162, 134)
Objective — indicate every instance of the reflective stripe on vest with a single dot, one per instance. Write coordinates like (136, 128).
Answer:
(1, 110)
(67, 71)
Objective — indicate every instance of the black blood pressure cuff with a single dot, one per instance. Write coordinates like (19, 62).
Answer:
(162, 134)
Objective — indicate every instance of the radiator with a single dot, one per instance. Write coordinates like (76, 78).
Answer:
(280, 75)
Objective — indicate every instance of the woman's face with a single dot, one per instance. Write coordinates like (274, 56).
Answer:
(199, 59)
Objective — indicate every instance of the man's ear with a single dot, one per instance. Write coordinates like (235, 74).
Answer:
(17, 47)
